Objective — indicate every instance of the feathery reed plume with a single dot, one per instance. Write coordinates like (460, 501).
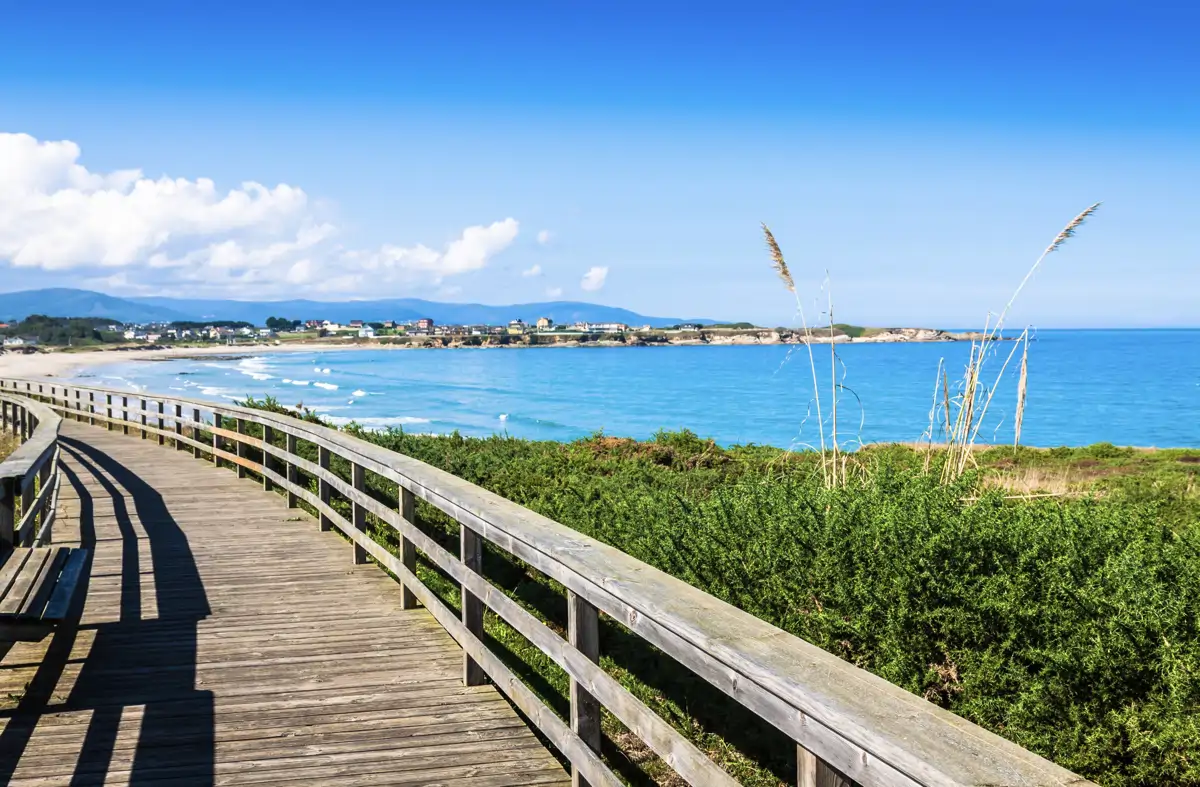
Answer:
(777, 259)
(1062, 237)
(1022, 385)
(782, 269)
(1069, 230)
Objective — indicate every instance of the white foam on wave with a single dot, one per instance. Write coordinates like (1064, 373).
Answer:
(503, 416)
(297, 382)
(255, 368)
(379, 423)
(319, 370)
(358, 393)
(326, 386)
(211, 391)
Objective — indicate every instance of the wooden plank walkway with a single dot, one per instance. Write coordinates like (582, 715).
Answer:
(222, 639)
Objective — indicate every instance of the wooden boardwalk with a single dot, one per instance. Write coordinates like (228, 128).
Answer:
(222, 639)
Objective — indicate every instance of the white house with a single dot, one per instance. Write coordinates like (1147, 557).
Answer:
(366, 332)
(19, 341)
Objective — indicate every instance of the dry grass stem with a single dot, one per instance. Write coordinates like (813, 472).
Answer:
(976, 398)
(1022, 385)
(781, 268)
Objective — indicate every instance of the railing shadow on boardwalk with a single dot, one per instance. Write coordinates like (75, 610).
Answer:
(175, 738)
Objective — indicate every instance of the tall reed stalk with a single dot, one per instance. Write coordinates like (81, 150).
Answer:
(976, 397)
(829, 470)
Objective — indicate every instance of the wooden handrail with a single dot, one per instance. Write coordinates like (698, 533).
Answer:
(848, 724)
(30, 473)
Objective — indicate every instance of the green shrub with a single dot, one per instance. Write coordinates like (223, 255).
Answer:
(1069, 625)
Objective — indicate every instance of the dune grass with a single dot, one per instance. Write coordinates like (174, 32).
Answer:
(1052, 596)
(8, 444)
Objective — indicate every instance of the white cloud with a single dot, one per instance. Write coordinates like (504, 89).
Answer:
(179, 236)
(554, 292)
(594, 279)
(544, 237)
(536, 270)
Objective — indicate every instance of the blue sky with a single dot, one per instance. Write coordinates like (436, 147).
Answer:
(922, 155)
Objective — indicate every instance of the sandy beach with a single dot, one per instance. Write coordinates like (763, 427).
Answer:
(68, 364)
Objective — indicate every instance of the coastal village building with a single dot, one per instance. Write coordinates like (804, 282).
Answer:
(516, 327)
(544, 323)
(20, 341)
(424, 324)
(601, 327)
(365, 331)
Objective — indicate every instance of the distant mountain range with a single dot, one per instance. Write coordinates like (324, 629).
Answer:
(61, 302)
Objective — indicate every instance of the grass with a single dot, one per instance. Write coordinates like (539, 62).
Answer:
(1069, 624)
(8, 444)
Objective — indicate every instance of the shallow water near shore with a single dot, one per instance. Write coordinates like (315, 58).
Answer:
(1121, 386)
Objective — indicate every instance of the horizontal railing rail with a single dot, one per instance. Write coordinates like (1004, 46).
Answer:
(847, 724)
(29, 475)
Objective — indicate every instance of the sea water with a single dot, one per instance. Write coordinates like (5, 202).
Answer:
(1125, 387)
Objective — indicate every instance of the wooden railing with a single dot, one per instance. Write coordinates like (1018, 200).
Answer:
(30, 474)
(847, 724)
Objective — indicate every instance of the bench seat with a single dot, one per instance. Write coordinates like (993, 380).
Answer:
(36, 587)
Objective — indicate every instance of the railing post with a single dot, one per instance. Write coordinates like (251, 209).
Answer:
(91, 408)
(358, 478)
(812, 771)
(179, 446)
(323, 486)
(268, 436)
(124, 415)
(583, 632)
(108, 408)
(78, 406)
(293, 475)
(196, 452)
(46, 476)
(7, 512)
(408, 551)
(216, 438)
(471, 553)
(28, 494)
(241, 448)
(143, 401)
(162, 438)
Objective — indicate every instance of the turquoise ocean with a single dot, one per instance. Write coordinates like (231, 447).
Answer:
(1128, 387)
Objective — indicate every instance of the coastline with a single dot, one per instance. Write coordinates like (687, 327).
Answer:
(59, 363)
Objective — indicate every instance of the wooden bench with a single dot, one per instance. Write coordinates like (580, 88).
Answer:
(36, 587)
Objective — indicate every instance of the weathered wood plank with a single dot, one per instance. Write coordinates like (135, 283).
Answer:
(239, 606)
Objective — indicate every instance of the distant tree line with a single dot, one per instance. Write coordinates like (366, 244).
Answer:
(282, 324)
(64, 330)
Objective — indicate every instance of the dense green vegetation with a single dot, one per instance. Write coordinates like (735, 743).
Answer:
(853, 331)
(1068, 624)
(8, 444)
(57, 331)
(282, 324)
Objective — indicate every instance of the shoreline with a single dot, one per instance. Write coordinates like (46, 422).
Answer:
(58, 363)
